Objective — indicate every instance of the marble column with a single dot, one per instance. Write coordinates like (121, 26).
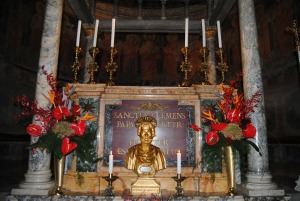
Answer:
(258, 176)
(89, 32)
(39, 174)
(211, 58)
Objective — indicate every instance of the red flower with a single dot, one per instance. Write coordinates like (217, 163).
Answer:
(34, 130)
(219, 127)
(59, 112)
(212, 138)
(234, 115)
(195, 127)
(76, 110)
(79, 128)
(249, 132)
(67, 146)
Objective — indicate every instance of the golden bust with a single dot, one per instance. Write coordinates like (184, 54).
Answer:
(144, 158)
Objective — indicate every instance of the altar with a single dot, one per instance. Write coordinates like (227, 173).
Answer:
(188, 101)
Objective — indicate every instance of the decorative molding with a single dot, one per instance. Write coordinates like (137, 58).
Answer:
(150, 107)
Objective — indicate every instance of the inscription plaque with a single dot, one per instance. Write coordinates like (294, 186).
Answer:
(172, 131)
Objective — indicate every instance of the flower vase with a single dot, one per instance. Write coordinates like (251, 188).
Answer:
(230, 169)
(59, 168)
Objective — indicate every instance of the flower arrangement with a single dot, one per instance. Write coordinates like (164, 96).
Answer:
(229, 124)
(60, 126)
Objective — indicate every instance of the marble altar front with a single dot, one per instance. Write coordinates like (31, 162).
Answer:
(196, 181)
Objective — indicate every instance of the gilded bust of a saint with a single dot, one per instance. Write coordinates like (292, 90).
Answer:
(144, 158)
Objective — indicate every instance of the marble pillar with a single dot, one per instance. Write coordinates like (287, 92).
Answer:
(39, 174)
(211, 58)
(89, 32)
(258, 176)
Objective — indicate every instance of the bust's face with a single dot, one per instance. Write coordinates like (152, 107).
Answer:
(146, 134)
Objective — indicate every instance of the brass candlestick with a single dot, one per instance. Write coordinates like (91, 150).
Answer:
(92, 66)
(204, 66)
(76, 65)
(179, 189)
(295, 30)
(185, 67)
(222, 65)
(111, 66)
(109, 191)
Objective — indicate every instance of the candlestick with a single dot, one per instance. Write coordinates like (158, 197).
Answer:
(186, 35)
(111, 67)
(113, 28)
(205, 67)
(185, 67)
(179, 194)
(203, 33)
(76, 65)
(178, 162)
(109, 191)
(95, 33)
(295, 30)
(92, 66)
(110, 163)
(78, 33)
(219, 34)
(221, 66)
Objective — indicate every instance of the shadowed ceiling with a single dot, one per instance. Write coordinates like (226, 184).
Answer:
(150, 15)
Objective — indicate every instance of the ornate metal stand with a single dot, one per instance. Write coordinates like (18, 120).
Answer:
(295, 30)
(76, 65)
(109, 191)
(92, 66)
(179, 189)
(222, 65)
(185, 67)
(111, 67)
(204, 66)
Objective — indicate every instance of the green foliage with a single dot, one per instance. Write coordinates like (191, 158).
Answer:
(49, 142)
(86, 150)
(86, 147)
(213, 155)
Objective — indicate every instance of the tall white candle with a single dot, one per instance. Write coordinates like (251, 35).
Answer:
(110, 162)
(186, 31)
(78, 33)
(178, 162)
(219, 34)
(113, 29)
(95, 33)
(203, 33)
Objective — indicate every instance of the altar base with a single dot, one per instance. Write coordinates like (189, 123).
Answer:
(145, 186)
